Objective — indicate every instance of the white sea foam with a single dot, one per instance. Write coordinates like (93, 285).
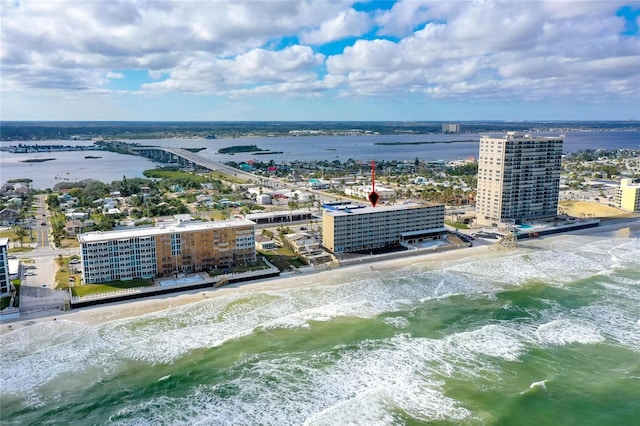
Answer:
(402, 372)
(541, 384)
(566, 331)
(490, 340)
(371, 407)
(616, 324)
(536, 386)
(397, 322)
(360, 386)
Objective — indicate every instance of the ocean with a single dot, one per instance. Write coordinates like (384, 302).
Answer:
(546, 334)
(72, 166)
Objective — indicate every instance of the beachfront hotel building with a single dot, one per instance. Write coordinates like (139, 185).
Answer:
(518, 179)
(356, 228)
(627, 195)
(5, 280)
(172, 248)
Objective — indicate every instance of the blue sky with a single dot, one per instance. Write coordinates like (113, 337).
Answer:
(319, 60)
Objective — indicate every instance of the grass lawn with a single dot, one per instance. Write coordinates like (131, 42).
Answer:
(283, 258)
(87, 289)
(8, 233)
(592, 209)
(69, 243)
(4, 302)
(456, 224)
(65, 273)
(216, 174)
(24, 249)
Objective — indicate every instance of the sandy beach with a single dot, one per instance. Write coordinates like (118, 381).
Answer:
(115, 311)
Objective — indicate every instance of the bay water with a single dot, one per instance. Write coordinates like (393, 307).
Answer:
(72, 166)
(546, 334)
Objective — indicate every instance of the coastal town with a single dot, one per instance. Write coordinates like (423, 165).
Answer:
(283, 213)
(194, 224)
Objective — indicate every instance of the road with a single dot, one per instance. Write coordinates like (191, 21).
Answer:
(36, 292)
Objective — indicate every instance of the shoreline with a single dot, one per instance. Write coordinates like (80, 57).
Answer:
(121, 310)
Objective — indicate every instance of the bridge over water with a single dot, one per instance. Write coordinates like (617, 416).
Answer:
(184, 158)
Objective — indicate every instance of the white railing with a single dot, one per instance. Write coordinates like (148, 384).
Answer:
(112, 293)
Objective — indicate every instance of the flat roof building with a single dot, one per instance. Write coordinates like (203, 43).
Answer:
(355, 228)
(627, 195)
(280, 216)
(363, 191)
(518, 178)
(178, 247)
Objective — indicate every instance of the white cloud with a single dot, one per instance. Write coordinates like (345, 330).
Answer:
(404, 16)
(346, 23)
(437, 49)
(501, 49)
(206, 74)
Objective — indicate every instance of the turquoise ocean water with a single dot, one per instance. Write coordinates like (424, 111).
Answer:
(535, 336)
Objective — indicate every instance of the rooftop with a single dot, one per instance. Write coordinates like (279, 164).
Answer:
(93, 237)
(520, 135)
(352, 209)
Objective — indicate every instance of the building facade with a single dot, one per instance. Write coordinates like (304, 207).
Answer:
(627, 195)
(351, 228)
(164, 250)
(450, 128)
(363, 191)
(518, 179)
(5, 280)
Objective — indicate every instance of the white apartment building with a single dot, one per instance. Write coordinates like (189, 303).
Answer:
(177, 247)
(5, 280)
(627, 195)
(363, 191)
(518, 178)
(353, 228)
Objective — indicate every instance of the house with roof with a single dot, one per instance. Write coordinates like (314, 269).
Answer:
(303, 243)
(264, 243)
(8, 216)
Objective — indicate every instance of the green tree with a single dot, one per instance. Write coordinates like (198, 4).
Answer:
(104, 222)
(20, 232)
(52, 201)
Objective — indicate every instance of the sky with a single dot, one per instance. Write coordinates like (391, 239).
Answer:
(301, 60)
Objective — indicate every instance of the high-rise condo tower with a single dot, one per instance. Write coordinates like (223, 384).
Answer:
(518, 179)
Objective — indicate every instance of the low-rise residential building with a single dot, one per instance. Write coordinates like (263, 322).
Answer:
(174, 248)
(303, 243)
(627, 195)
(264, 243)
(73, 227)
(263, 199)
(355, 228)
(8, 216)
(363, 191)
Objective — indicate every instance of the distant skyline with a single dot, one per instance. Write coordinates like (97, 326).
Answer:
(319, 60)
